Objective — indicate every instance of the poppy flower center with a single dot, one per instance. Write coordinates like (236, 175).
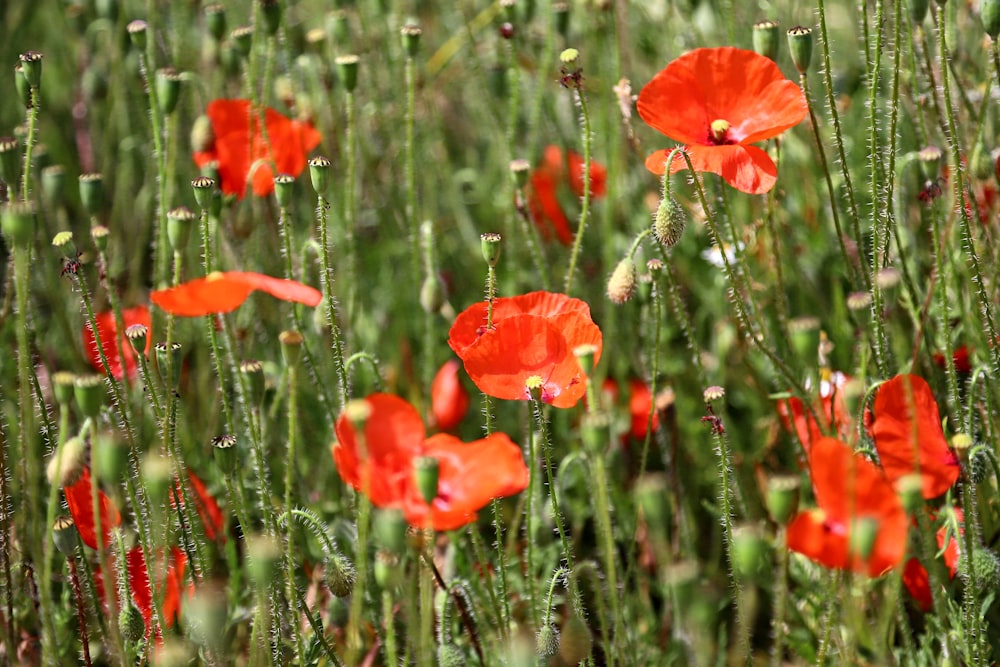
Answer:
(720, 132)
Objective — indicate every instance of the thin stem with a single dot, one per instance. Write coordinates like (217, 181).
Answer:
(332, 316)
(29, 146)
(290, 465)
(585, 200)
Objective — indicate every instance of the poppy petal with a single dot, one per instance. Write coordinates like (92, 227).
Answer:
(747, 168)
(109, 332)
(547, 213)
(908, 436)
(449, 399)
(225, 292)
(918, 584)
(80, 502)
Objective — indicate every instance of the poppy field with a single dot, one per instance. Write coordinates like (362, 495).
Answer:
(510, 332)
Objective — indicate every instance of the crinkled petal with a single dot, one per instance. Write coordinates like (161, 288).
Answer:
(746, 168)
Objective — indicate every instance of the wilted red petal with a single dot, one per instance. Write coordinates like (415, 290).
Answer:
(169, 586)
(849, 487)
(109, 332)
(80, 501)
(598, 176)
(918, 584)
(908, 436)
(831, 408)
(237, 154)
(225, 292)
(449, 399)
(546, 211)
(470, 475)
(747, 168)
(381, 465)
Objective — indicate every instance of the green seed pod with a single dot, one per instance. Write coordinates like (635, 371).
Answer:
(110, 458)
(17, 219)
(338, 24)
(291, 347)
(22, 87)
(930, 162)
(490, 243)
(65, 536)
(765, 39)
(989, 14)
(31, 67)
(432, 294)
(62, 384)
(137, 34)
(169, 360)
(981, 162)
(242, 39)
(621, 284)
(253, 371)
(575, 641)
(137, 335)
(168, 89)
(284, 184)
(225, 454)
(783, 498)
(66, 465)
(263, 554)
(390, 530)
(560, 12)
(749, 551)
(347, 71)
(271, 10)
(92, 193)
(800, 46)
(519, 170)
(215, 21)
(10, 161)
(179, 224)
(107, 9)
(411, 39)
(319, 174)
(426, 471)
(203, 187)
(918, 10)
(54, 185)
(89, 392)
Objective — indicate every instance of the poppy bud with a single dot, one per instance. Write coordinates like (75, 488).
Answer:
(175, 363)
(62, 383)
(65, 536)
(962, 444)
(110, 459)
(918, 10)
(669, 222)
(519, 172)
(449, 655)
(54, 185)
(202, 136)
(989, 14)
(426, 472)
(749, 551)
(224, 453)
(888, 278)
(31, 67)
(203, 187)
(271, 10)
(621, 284)
(10, 161)
(242, 39)
(863, 533)
(339, 575)
(136, 335)
(765, 39)
(655, 267)
(569, 56)
(783, 498)
(17, 220)
(168, 89)
(411, 39)
(66, 465)
(291, 347)
(547, 641)
(490, 243)
(982, 162)
(859, 301)
(215, 20)
(88, 390)
(507, 30)
(985, 570)
(253, 370)
(390, 530)
(534, 385)
(137, 34)
(283, 186)
(319, 174)
(432, 294)
(979, 466)
(560, 12)
(179, 223)
(131, 623)
(92, 193)
(800, 46)
(347, 71)
(575, 641)
(263, 554)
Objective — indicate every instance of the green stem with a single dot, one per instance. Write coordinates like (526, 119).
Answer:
(585, 200)
(356, 618)
(602, 499)
(332, 316)
(162, 261)
(290, 465)
(29, 146)
(529, 529)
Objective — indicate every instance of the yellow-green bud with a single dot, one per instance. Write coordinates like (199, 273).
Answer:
(765, 39)
(99, 235)
(432, 294)
(17, 220)
(911, 492)
(490, 243)
(800, 46)
(575, 641)
(347, 71)
(319, 174)
(621, 284)
(66, 465)
(749, 551)
(669, 222)
(519, 170)
(569, 56)
(547, 641)
(202, 136)
(339, 575)
(89, 392)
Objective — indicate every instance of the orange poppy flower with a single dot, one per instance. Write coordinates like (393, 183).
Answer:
(718, 102)
(169, 587)
(848, 488)
(241, 157)
(543, 200)
(80, 502)
(208, 510)
(831, 408)
(224, 292)
(449, 399)
(532, 338)
(108, 332)
(382, 465)
(906, 428)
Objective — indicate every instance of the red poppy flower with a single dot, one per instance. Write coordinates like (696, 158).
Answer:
(718, 102)
(532, 338)
(80, 501)
(831, 408)
(543, 200)
(849, 488)
(208, 510)
(382, 465)
(109, 332)
(960, 358)
(639, 404)
(169, 586)
(224, 292)
(449, 399)
(915, 574)
(241, 156)
(906, 428)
